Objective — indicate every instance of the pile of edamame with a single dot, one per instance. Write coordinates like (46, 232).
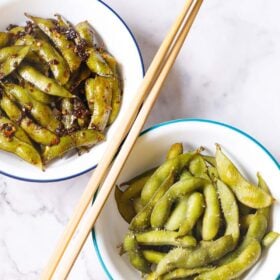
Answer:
(195, 217)
(59, 89)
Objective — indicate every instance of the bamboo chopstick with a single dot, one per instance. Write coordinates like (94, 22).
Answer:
(127, 146)
(102, 167)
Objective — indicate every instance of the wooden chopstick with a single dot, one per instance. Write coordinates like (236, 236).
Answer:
(113, 146)
(127, 146)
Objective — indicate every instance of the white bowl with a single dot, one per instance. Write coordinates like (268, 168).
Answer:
(150, 150)
(119, 41)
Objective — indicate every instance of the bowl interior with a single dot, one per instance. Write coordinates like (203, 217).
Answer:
(150, 150)
(118, 40)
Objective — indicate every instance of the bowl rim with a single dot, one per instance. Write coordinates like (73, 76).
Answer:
(94, 166)
(171, 122)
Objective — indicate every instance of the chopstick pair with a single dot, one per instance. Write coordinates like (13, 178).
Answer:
(152, 83)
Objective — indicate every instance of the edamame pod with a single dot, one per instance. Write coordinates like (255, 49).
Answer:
(4, 39)
(142, 220)
(198, 167)
(40, 112)
(84, 137)
(125, 208)
(136, 258)
(25, 151)
(211, 218)
(37, 133)
(178, 214)
(270, 238)
(65, 46)
(97, 64)
(195, 208)
(162, 208)
(245, 192)
(263, 185)
(43, 49)
(10, 59)
(87, 33)
(244, 261)
(230, 210)
(164, 237)
(174, 151)
(197, 257)
(16, 130)
(162, 172)
(42, 82)
(153, 256)
(99, 97)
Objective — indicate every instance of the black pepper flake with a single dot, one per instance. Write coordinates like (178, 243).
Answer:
(29, 28)
(8, 130)
(54, 62)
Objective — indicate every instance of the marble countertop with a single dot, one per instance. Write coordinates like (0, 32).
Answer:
(227, 71)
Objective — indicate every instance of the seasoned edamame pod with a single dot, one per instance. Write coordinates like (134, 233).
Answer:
(43, 49)
(230, 210)
(42, 113)
(125, 207)
(195, 208)
(162, 172)
(153, 256)
(13, 128)
(65, 46)
(36, 93)
(25, 151)
(270, 238)
(97, 64)
(245, 192)
(87, 33)
(37, 133)
(136, 258)
(175, 150)
(45, 84)
(164, 237)
(162, 208)
(10, 59)
(142, 220)
(4, 39)
(197, 257)
(244, 261)
(99, 97)
(84, 137)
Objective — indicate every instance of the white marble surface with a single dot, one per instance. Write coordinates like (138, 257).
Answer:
(228, 71)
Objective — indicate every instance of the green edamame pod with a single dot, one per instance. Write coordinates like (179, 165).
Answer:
(197, 257)
(84, 137)
(142, 220)
(174, 151)
(4, 39)
(153, 256)
(212, 214)
(198, 167)
(244, 261)
(25, 151)
(178, 214)
(97, 64)
(65, 46)
(195, 208)
(40, 112)
(18, 132)
(37, 133)
(125, 207)
(43, 49)
(36, 93)
(45, 84)
(136, 184)
(182, 273)
(10, 59)
(263, 185)
(270, 238)
(230, 210)
(164, 237)
(176, 164)
(87, 33)
(99, 97)
(136, 258)
(162, 208)
(245, 192)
